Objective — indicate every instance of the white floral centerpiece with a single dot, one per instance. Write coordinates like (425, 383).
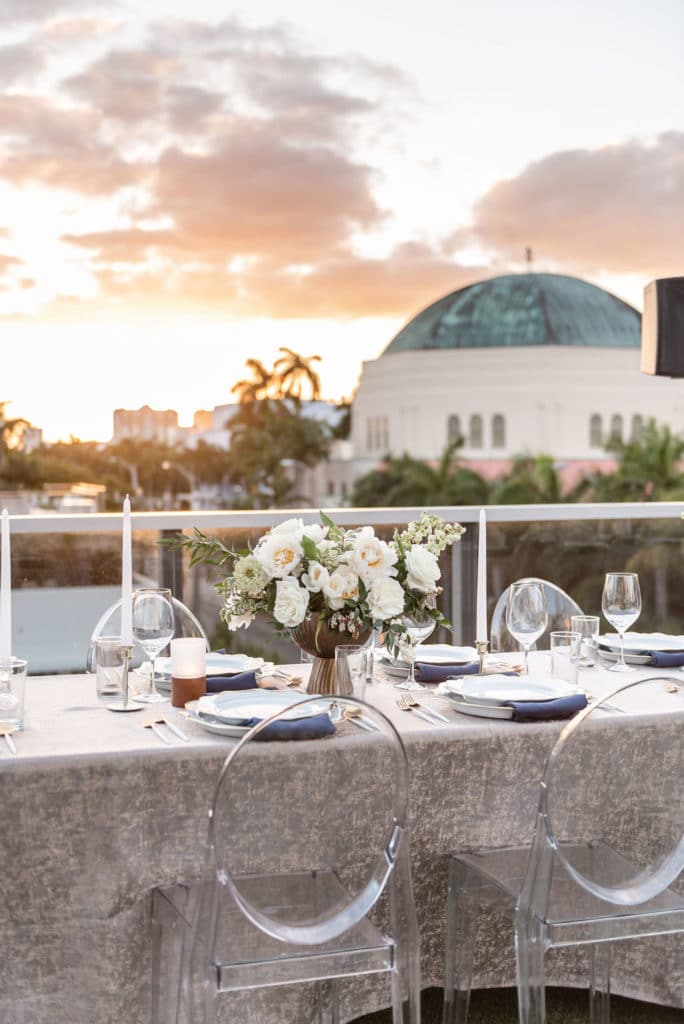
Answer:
(329, 586)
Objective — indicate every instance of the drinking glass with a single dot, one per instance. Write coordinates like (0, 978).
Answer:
(621, 604)
(565, 655)
(588, 628)
(417, 628)
(351, 669)
(153, 628)
(526, 616)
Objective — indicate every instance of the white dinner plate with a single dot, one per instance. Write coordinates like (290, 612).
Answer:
(631, 659)
(430, 654)
(217, 664)
(493, 690)
(213, 725)
(481, 710)
(235, 706)
(637, 643)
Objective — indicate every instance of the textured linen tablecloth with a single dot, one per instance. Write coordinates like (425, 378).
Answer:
(96, 812)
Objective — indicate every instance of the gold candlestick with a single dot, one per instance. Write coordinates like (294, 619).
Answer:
(482, 647)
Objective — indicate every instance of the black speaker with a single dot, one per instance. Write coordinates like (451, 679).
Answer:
(662, 328)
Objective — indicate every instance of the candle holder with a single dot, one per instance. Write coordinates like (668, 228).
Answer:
(124, 705)
(482, 648)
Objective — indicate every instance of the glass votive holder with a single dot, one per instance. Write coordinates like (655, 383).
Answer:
(13, 695)
(565, 652)
(188, 669)
(588, 628)
(108, 667)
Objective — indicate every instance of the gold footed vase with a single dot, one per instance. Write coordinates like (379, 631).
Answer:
(320, 642)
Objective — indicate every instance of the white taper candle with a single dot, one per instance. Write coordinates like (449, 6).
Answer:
(5, 595)
(481, 606)
(126, 576)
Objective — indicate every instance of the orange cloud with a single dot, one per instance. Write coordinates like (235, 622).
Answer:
(619, 208)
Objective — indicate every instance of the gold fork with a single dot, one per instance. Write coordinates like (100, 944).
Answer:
(405, 702)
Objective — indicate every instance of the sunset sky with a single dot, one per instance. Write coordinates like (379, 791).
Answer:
(186, 185)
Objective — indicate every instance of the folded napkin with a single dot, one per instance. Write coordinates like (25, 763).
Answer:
(543, 710)
(243, 681)
(313, 728)
(429, 672)
(666, 659)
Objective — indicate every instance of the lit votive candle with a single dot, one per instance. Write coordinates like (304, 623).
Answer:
(188, 670)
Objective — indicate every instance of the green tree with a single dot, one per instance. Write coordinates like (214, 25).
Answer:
(648, 468)
(258, 386)
(295, 374)
(11, 433)
(407, 481)
(531, 480)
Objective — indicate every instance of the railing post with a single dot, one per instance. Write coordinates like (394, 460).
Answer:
(171, 565)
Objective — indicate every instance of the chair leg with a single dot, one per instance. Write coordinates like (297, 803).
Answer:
(328, 1002)
(529, 952)
(463, 904)
(599, 991)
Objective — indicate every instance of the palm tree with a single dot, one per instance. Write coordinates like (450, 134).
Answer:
(649, 468)
(409, 481)
(11, 432)
(294, 373)
(258, 386)
(531, 480)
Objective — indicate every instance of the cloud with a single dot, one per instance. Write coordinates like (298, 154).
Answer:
(19, 62)
(619, 209)
(78, 27)
(61, 147)
(20, 12)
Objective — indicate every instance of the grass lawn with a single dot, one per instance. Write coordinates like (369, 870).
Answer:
(564, 1006)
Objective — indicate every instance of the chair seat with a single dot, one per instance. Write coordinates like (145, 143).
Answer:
(575, 916)
(246, 957)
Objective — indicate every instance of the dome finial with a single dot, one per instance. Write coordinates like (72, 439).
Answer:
(528, 258)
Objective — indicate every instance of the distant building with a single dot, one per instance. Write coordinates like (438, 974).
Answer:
(146, 424)
(524, 363)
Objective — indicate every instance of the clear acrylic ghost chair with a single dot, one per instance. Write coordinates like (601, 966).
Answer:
(109, 624)
(306, 878)
(560, 606)
(604, 863)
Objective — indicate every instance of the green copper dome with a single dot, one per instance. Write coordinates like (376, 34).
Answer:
(515, 310)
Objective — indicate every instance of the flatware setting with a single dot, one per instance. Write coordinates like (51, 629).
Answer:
(8, 740)
(160, 734)
(407, 702)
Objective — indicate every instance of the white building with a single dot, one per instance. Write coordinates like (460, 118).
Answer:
(527, 363)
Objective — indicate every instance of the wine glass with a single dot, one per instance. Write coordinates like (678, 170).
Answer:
(526, 615)
(153, 628)
(621, 603)
(417, 628)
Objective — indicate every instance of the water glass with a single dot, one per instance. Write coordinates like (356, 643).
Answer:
(588, 628)
(13, 695)
(621, 606)
(565, 655)
(351, 669)
(109, 667)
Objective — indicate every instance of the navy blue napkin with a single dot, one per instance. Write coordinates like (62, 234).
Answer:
(666, 659)
(544, 710)
(243, 681)
(428, 672)
(313, 728)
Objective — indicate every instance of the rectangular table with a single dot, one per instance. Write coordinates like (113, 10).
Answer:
(96, 812)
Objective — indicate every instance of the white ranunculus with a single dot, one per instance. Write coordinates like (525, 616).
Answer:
(316, 578)
(315, 532)
(385, 599)
(372, 557)
(422, 570)
(342, 586)
(291, 602)
(279, 554)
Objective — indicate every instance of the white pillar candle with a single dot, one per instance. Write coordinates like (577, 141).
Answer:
(126, 576)
(481, 606)
(188, 657)
(5, 595)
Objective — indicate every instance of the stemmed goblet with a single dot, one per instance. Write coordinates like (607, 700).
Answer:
(621, 604)
(526, 616)
(153, 628)
(417, 628)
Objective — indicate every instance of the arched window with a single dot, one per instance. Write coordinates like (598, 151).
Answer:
(595, 431)
(453, 429)
(616, 427)
(498, 431)
(637, 427)
(476, 431)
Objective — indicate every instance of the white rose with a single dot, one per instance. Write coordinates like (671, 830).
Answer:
(342, 586)
(385, 599)
(295, 526)
(372, 557)
(316, 578)
(237, 621)
(422, 569)
(315, 532)
(279, 554)
(291, 602)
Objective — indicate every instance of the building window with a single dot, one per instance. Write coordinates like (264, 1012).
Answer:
(369, 434)
(595, 431)
(476, 431)
(454, 429)
(331, 488)
(616, 427)
(498, 431)
(385, 434)
(637, 428)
